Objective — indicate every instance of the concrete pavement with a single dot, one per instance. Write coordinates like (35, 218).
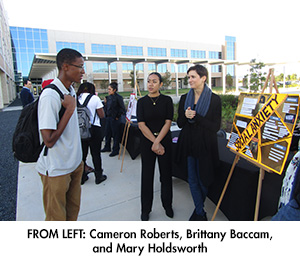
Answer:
(116, 199)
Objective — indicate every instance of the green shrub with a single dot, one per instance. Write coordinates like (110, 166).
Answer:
(229, 105)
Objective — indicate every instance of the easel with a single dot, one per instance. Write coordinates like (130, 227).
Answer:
(126, 130)
(238, 155)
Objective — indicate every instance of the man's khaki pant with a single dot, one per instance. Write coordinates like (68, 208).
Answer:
(61, 195)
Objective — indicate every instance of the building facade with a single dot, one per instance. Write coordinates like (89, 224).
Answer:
(114, 58)
(7, 86)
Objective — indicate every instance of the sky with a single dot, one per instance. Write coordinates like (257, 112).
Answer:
(265, 30)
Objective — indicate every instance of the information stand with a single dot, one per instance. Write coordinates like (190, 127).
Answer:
(262, 132)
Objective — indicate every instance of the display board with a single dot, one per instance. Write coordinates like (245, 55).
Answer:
(131, 110)
(262, 128)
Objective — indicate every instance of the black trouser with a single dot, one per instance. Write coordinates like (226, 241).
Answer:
(112, 130)
(148, 168)
(95, 146)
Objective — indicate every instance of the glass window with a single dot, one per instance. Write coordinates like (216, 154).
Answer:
(132, 51)
(182, 68)
(24, 57)
(215, 68)
(16, 43)
(30, 44)
(179, 53)
(103, 49)
(80, 47)
(29, 34)
(140, 67)
(21, 33)
(22, 43)
(45, 45)
(36, 34)
(100, 68)
(14, 33)
(151, 67)
(157, 52)
(103, 67)
(37, 44)
(44, 35)
(127, 67)
(198, 54)
(161, 68)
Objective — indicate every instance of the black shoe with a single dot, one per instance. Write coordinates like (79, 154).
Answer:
(170, 212)
(144, 216)
(84, 177)
(100, 179)
(112, 154)
(201, 218)
(105, 150)
(196, 217)
(193, 216)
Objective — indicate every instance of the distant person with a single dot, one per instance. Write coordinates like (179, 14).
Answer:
(115, 110)
(154, 115)
(61, 168)
(26, 94)
(199, 117)
(95, 107)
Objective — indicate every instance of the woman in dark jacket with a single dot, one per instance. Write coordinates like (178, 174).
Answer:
(199, 116)
(114, 110)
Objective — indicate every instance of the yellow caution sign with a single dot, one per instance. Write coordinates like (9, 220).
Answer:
(262, 116)
(263, 128)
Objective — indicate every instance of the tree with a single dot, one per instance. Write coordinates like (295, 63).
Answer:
(167, 80)
(294, 76)
(104, 84)
(186, 81)
(229, 80)
(132, 84)
(257, 76)
(279, 77)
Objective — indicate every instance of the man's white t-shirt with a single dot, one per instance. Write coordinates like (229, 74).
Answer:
(94, 104)
(66, 154)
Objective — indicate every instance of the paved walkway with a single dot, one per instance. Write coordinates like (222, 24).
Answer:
(116, 199)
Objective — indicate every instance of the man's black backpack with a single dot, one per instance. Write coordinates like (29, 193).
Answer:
(26, 143)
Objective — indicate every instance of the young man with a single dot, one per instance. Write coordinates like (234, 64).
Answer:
(26, 95)
(61, 168)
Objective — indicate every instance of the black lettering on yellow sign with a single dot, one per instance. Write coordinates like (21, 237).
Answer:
(262, 116)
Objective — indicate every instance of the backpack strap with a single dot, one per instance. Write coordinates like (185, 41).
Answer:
(62, 109)
(52, 86)
(86, 101)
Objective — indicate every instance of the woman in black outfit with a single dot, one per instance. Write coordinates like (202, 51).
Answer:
(95, 107)
(199, 116)
(115, 109)
(154, 115)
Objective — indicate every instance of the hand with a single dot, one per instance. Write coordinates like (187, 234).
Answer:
(69, 103)
(189, 113)
(158, 149)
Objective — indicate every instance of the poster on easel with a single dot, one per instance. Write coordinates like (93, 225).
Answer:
(131, 109)
(263, 127)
